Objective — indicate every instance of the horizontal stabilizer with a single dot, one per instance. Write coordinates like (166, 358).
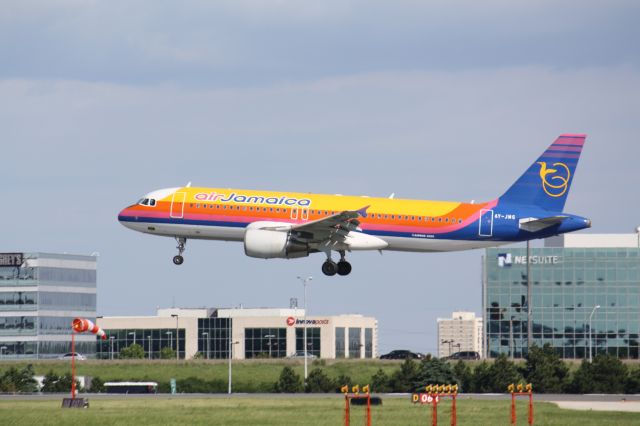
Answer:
(533, 224)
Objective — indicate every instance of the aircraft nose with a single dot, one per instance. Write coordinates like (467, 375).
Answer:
(126, 216)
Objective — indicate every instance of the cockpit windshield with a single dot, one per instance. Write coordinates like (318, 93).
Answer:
(151, 202)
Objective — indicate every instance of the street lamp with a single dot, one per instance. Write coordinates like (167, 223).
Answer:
(111, 338)
(206, 342)
(270, 336)
(177, 338)
(590, 338)
(149, 340)
(449, 342)
(231, 343)
(304, 284)
(132, 333)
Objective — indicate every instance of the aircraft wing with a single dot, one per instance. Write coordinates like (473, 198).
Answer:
(335, 226)
(534, 224)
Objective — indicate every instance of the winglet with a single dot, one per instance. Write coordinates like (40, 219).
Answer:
(363, 211)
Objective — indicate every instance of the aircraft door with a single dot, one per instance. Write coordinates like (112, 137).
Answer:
(486, 223)
(177, 205)
(294, 213)
(305, 214)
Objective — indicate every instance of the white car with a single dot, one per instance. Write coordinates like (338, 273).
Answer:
(78, 356)
(300, 355)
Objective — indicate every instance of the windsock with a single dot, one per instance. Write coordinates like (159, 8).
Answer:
(80, 325)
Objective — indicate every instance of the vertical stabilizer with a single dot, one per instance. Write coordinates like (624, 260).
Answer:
(547, 182)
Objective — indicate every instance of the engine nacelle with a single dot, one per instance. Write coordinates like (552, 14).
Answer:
(272, 243)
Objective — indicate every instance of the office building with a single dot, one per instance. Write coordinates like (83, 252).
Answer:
(461, 332)
(254, 332)
(40, 295)
(585, 293)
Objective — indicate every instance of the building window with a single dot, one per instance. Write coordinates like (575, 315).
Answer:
(213, 337)
(313, 340)
(339, 342)
(368, 343)
(151, 340)
(354, 342)
(265, 343)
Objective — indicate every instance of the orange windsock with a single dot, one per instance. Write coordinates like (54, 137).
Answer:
(81, 325)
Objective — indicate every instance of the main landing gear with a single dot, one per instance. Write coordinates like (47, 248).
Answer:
(179, 260)
(330, 268)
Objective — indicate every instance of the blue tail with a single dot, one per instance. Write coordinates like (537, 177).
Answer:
(547, 182)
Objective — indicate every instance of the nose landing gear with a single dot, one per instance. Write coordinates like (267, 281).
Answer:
(178, 259)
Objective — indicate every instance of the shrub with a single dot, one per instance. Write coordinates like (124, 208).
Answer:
(433, 371)
(380, 382)
(404, 379)
(134, 351)
(14, 380)
(167, 353)
(318, 381)
(289, 381)
(545, 370)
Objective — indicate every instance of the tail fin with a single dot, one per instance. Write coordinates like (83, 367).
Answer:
(547, 182)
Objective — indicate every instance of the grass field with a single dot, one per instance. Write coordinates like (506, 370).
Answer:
(248, 375)
(313, 411)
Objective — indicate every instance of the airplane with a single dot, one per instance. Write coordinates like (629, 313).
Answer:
(292, 225)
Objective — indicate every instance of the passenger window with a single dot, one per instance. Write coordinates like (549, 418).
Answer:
(197, 206)
(439, 219)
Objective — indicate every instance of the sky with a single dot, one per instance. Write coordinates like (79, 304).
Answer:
(104, 101)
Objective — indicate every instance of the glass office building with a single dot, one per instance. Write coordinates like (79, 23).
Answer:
(585, 292)
(40, 295)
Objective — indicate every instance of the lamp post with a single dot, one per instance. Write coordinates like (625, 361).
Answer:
(449, 342)
(111, 338)
(638, 233)
(529, 307)
(590, 338)
(177, 338)
(304, 338)
(132, 333)
(206, 336)
(231, 343)
(149, 340)
(270, 336)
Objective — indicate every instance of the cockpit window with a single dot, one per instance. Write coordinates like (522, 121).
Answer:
(147, 202)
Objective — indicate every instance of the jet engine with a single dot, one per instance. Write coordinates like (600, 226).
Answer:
(268, 240)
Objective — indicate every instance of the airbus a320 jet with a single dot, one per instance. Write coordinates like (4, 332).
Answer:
(289, 225)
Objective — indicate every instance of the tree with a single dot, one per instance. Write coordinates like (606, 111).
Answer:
(167, 353)
(545, 370)
(380, 382)
(318, 381)
(342, 380)
(503, 372)
(434, 371)
(134, 351)
(464, 376)
(97, 385)
(54, 383)
(481, 380)
(289, 381)
(609, 374)
(582, 380)
(633, 382)
(14, 380)
(404, 379)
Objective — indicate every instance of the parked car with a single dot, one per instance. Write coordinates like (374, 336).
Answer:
(300, 355)
(402, 354)
(68, 355)
(464, 355)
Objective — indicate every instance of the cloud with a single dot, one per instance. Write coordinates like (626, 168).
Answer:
(250, 43)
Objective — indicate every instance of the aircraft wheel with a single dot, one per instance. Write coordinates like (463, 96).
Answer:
(344, 268)
(329, 268)
(178, 260)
